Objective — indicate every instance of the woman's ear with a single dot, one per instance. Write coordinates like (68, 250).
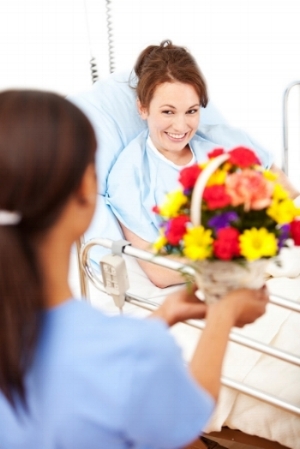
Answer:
(143, 111)
(84, 201)
(86, 193)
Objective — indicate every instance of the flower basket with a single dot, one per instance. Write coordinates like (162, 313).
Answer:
(229, 218)
(215, 278)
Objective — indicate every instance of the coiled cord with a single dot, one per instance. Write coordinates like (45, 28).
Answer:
(93, 64)
(111, 56)
(94, 70)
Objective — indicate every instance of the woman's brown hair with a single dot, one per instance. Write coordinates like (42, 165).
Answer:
(46, 144)
(163, 63)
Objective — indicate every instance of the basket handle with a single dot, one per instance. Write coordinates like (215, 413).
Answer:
(199, 187)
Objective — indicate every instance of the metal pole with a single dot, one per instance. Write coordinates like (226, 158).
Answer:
(285, 154)
(84, 287)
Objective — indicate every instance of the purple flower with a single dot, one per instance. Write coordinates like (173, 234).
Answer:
(223, 220)
(284, 234)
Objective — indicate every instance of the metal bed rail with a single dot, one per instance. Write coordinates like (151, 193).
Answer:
(285, 157)
(88, 272)
(157, 260)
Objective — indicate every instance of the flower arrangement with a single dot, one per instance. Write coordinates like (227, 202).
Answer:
(245, 212)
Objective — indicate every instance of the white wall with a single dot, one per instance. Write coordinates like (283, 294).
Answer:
(247, 49)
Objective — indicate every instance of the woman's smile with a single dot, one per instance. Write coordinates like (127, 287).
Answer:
(173, 118)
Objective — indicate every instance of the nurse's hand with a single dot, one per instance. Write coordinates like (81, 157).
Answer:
(244, 305)
(180, 306)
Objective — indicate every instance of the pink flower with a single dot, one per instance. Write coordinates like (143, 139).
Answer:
(249, 188)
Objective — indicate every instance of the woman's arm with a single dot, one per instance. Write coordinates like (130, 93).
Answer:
(237, 308)
(160, 276)
(285, 182)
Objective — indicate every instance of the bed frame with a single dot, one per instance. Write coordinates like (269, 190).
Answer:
(240, 440)
(87, 271)
(126, 248)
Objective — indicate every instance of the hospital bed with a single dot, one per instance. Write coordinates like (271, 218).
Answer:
(261, 378)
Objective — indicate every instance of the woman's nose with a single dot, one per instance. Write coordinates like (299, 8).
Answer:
(179, 123)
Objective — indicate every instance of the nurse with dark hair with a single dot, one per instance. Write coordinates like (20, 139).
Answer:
(70, 376)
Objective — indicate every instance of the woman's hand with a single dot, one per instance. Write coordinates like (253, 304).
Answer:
(237, 308)
(241, 306)
(245, 305)
(180, 306)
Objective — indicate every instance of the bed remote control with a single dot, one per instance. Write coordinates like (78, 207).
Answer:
(115, 278)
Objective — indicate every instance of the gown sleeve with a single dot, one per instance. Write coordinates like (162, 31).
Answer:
(130, 190)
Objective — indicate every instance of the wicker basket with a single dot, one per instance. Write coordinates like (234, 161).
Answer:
(216, 278)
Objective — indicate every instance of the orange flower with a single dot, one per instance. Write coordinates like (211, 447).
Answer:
(249, 188)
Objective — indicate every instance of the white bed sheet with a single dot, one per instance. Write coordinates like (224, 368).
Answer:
(278, 327)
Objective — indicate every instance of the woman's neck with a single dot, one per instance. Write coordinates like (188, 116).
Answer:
(181, 158)
(54, 257)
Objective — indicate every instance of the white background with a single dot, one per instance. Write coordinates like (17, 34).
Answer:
(248, 50)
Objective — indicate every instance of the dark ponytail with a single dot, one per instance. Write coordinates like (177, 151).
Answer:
(21, 302)
(158, 64)
(46, 143)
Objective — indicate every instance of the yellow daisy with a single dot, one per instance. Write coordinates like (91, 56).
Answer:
(172, 204)
(283, 211)
(269, 175)
(257, 243)
(217, 178)
(159, 243)
(279, 193)
(198, 243)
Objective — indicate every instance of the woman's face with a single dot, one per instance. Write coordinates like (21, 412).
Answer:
(173, 116)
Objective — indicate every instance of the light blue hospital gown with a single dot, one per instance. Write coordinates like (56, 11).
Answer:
(100, 382)
(140, 177)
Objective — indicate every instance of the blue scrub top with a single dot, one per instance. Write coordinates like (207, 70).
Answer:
(102, 382)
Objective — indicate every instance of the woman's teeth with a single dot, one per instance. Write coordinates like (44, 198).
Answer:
(176, 136)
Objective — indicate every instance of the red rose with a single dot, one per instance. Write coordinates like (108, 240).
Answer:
(295, 231)
(226, 246)
(216, 152)
(216, 197)
(243, 157)
(155, 209)
(188, 176)
(176, 229)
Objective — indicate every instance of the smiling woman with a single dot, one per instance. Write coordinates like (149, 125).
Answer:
(170, 93)
(173, 118)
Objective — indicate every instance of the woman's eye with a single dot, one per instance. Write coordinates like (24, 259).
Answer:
(192, 111)
(167, 112)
